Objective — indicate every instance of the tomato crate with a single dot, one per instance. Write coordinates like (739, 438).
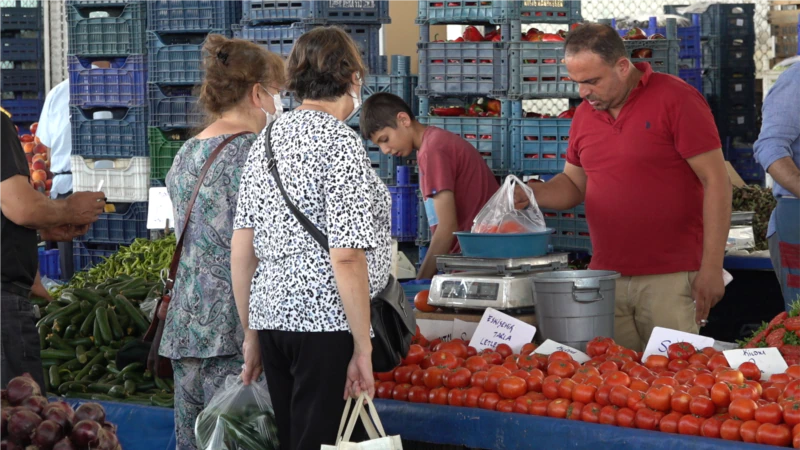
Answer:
(86, 255)
(498, 11)
(693, 77)
(689, 36)
(121, 85)
(423, 228)
(174, 107)
(24, 15)
(489, 135)
(24, 110)
(49, 263)
(404, 212)
(320, 12)
(538, 145)
(20, 49)
(128, 223)
(22, 80)
(125, 180)
(109, 132)
(192, 16)
(537, 71)
(164, 145)
(462, 68)
(571, 229)
(176, 58)
(121, 33)
(729, 53)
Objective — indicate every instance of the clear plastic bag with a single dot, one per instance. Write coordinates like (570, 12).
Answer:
(500, 216)
(239, 417)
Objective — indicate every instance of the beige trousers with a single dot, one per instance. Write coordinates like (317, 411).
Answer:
(649, 301)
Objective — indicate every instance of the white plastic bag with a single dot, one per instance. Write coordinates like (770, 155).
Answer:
(239, 417)
(378, 440)
(500, 216)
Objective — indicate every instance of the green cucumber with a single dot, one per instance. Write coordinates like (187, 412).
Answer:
(56, 342)
(52, 353)
(55, 378)
(135, 314)
(71, 331)
(100, 388)
(132, 367)
(161, 384)
(97, 335)
(77, 320)
(86, 294)
(52, 307)
(99, 358)
(116, 328)
(86, 307)
(51, 362)
(65, 375)
(118, 392)
(70, 386)
(85, 341)
(136, 294)
(103, 324)
(64, 312)
(164, 403)
(80, 353)
(72, 364)
(44, 330)
(69, 297)
(112, 368)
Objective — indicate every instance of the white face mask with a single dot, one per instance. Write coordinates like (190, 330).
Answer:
(278, 107)
(356, 99)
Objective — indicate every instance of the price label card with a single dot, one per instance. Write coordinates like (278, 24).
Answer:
(549, 347)
(496, 328)
(662, 338)
(436, 329)
(740, 120)
(464, 330)
(768, 360)
(738, 88)
(739, 22)
(159, 209)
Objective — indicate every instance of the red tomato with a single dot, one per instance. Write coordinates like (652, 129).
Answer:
(608, 415)
(418, 394)
(506, 406)
(535, 380)
(748, 431)
(421, 302)
(745, 391)
(636, 400)
(524, 374)
(640, 372)
(511, 366)
(476, 364)
(712, 426)
(771, 434)
(384, 390)
(559, 356)
(647, 419)
(755, 385)
(676, 365)
(565, 388)
(705, 380)
(472, 395)
(654, 362)
(457, 349)
(669, 424)
(558, 408)
(528, 362)
(444, 359)
(695, 391)
(488, 400)
(793, 372)
(550, 389)
(771, 394)
(415, 355)
(791, 413)
(731, 376)
(598, 346)
(584, 393)
(721, 394)
(684, 376)
(523, 404)
(594, 381)
(690, 425)
(730, 430)
(400, 392)
(771, 413)
(479, 379)
(750, 371)
(418, 378)
(717, 361)
(574, 410)
(702, 406)
(626, 418)
(433, 377)
(709, 351)
(539, 407)
(658, 397)
(608, 366)
(619, 396)
(492, 380)
(438, 396)
(699, 358)
(471, 352)
(511, 387)
(457, 378)
(591, 413)
(680, 402)
(680, 350)
(780, 378)
(402, 374)
(618, 378)
(639, 385)
(493, 358)
(743, 409)
(527, 349)
(603, 395)
(665, 381)
(386, 376)
(504, 350)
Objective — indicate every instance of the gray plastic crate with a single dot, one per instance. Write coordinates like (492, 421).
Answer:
(121, 33)
(176, 58)
(499, 11)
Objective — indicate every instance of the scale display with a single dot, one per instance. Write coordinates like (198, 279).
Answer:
(470, 290)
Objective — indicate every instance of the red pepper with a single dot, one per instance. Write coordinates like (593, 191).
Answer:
(453, 4)
(568, 114)
(450, 111)
(459, 39)
(436, 38)
(474, 110)
(486, 137)
(550, 37)
(471, 34)
(490, 35)
(470, 136)
(437, 5)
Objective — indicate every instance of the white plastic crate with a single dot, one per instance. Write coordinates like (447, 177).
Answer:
(128, 181)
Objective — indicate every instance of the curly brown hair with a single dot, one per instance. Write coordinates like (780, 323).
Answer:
(322, 63)
(232, 67)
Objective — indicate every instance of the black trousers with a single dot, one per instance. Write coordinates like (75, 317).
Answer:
(306, 373)
(19, 349)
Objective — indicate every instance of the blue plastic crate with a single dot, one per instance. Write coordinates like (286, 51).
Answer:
(693, 77)
(729, 53)
(537, 71)
(49, 264)
(384, 165)
(367, 37)
(489, 135)
(689, 36)
(404, 212)
(423, 229)
(19, 17)
(22, 80)
(121, 227)
(748, 168)
(192, 16)
(572, 229)
(538, 145)
(124, 135)
(735, 122)
(498, 11)
(402, 86)
(316, 12)
(174, 107)
(414, 287)
(87, 255)
(123, 33)
(730, 87)
(423, 252)
(24, 110)
(729, 20)
(176, 58)
(20, 49)
(121, 85)
(278, 39)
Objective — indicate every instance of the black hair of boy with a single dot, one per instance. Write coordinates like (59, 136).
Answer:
(380, 111)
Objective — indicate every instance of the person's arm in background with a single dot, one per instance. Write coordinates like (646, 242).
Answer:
(442, 240)
(243, 267)
(28, 208)
(38, 289)
(780, 128)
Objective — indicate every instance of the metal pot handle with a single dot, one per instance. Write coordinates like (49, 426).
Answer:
(588, 294)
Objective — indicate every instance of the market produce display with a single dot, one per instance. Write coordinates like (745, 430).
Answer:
(30, 422)
(688, 392)
(761, 201)
(782, 332)
(95, 316)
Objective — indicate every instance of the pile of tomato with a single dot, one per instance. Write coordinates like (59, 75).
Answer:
(688, 392)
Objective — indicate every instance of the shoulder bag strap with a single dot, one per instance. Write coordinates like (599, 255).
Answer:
(272, 166)
(176, 257)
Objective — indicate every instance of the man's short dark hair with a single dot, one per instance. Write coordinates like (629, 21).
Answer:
(380, 111)
(596, 38)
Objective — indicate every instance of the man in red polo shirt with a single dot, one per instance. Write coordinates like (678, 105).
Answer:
(645, 156)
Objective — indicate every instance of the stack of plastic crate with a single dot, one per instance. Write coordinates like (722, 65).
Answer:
(176, 31)
(22, 61)
(107, 68)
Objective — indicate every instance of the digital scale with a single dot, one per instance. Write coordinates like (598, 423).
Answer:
(499, 283)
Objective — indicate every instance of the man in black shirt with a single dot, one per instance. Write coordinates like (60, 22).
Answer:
(24, 211)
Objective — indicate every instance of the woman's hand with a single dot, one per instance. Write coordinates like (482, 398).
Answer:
(359, 375)
(252, 358)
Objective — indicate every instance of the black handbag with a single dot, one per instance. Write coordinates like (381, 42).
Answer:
(392, 317)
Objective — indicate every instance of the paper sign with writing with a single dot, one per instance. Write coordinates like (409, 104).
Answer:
(464, 330)
(436, 329)
(662, 338)
(496, 328)
(768, 360)
(549, 347)
(159, 209)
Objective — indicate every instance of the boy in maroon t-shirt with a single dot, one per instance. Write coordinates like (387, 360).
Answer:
(454, 179)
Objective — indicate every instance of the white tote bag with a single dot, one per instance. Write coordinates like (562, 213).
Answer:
(377, 436)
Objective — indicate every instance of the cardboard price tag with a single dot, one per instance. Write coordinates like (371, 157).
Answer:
(662, 338)
(549, 347)
(769, 360)
(464, 330)
(159, 209)
(496, 328)
(436, 329)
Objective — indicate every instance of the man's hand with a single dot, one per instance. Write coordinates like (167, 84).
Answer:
(87, 206)
(64, 233)
(707, 290)
(521, 200)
